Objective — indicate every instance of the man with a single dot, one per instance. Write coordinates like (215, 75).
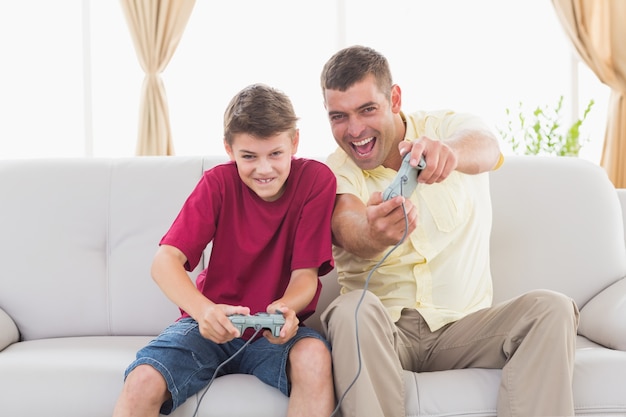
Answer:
(428, 305)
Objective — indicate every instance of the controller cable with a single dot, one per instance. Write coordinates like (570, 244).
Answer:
(356, 310)
(258, 328)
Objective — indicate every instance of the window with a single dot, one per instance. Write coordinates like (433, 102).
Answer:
(61, 96)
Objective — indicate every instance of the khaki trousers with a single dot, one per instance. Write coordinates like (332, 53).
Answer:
(532, 338)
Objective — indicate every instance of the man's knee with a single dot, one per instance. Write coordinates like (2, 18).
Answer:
(345, 306)
(555, 306)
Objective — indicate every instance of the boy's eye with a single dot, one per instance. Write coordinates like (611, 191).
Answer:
(247, 156)
(277, 153)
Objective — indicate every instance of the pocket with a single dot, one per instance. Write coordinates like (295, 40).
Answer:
(181, 327)
(449, 202)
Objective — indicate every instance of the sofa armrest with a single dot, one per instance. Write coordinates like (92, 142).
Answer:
(8, 330)
(603, 318)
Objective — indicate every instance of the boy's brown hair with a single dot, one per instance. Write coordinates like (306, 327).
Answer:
(259, 110)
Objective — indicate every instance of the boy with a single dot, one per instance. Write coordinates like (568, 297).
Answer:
(268, 215)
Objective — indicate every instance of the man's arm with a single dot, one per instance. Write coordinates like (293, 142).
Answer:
(470, 151)
(368, 230)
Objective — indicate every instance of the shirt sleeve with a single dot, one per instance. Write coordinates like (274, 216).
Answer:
(194, 227)
(314, 242)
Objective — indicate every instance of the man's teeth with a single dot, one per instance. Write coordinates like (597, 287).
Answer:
(363, 142)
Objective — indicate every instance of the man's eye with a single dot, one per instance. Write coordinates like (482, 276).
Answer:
(336, 117)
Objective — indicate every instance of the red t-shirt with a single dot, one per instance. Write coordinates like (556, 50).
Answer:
(255, 243)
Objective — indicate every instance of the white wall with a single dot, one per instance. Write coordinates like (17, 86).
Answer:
(480, 56)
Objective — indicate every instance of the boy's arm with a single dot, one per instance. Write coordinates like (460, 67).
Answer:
(299, 293)
(169, 273)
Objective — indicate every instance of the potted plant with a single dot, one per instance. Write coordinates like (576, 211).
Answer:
(541, 132)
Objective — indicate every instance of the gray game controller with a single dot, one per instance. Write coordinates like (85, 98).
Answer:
(273, 322)
(406, 180)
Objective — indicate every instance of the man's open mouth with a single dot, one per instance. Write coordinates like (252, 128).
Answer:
(365, 146)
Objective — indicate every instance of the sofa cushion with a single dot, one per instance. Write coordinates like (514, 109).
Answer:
(603, 319)
(77, 375)
(8, 330)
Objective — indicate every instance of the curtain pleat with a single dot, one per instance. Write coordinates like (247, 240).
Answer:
(156, 27)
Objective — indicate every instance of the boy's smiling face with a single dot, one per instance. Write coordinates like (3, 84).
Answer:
(264, 164)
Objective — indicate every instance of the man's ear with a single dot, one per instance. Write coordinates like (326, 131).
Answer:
(396, 98)
(229, 151)
(295, 142)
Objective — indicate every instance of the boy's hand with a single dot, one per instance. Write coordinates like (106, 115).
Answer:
(290, 327)
(215, 325)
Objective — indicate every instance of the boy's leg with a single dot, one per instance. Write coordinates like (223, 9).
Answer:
(300, 369)
(310, 374)
(143, 393)
(171, 368)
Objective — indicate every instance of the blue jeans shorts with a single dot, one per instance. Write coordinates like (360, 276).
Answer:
(188, 361)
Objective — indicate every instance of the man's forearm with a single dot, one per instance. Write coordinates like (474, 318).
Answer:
(351, 232)
(477, 150)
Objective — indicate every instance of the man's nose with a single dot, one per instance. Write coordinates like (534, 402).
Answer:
(355, 127)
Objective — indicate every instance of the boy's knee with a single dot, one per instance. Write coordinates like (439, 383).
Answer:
(145, 381)
(309, 350)
(310, 356)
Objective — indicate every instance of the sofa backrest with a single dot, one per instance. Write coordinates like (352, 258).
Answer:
(77, 240)
(77, 237)
(557, 224)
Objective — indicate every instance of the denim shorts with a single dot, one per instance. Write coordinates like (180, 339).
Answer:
(188, 361)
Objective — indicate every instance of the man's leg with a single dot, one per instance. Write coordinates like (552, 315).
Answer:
(532, 338)
(310, 374)
(379, 389)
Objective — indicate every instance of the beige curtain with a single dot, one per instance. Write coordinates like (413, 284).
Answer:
(156, 27)
(597, 29)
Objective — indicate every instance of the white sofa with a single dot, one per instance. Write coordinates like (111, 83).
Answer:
(77, 237)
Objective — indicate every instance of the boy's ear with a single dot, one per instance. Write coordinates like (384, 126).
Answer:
(295, 142)
(229, 151)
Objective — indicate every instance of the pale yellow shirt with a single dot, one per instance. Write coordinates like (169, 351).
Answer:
(442, 268)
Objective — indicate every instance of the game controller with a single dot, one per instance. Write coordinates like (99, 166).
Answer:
(273, 322)
(406, 180)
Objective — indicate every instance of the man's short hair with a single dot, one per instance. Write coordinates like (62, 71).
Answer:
(350, 65)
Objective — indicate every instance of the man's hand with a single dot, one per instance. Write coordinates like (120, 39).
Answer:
(386, 219)
(368, 230)
(215, 325)
(441, 159)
